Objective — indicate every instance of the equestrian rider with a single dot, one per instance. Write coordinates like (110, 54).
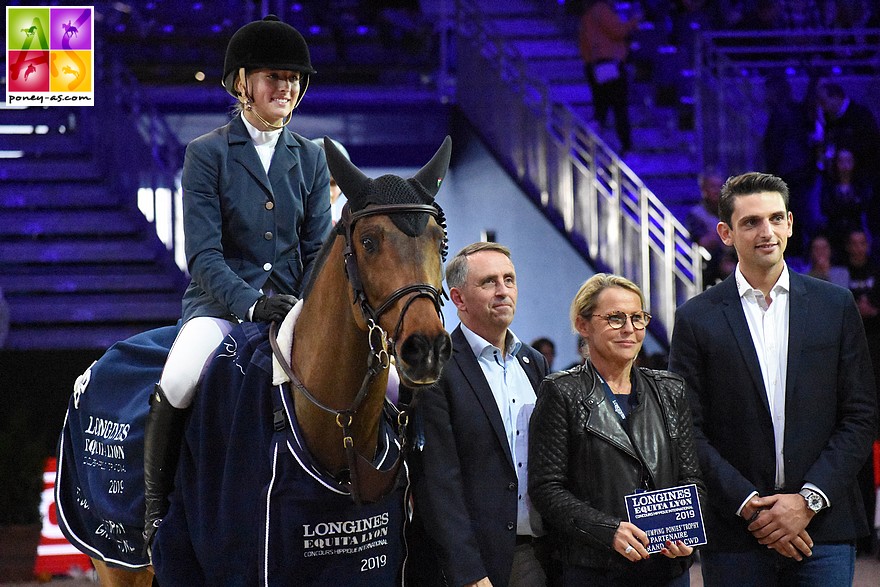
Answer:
(256, 210)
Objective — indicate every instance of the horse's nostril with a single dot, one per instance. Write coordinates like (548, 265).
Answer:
(443, 347)
(423, 356)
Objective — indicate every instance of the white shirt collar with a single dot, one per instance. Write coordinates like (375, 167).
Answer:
(261, 137)
(744, 287)
(479, 344)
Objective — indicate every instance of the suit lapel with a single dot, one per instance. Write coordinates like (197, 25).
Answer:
(798, 322)
(736, 319)
(242, 150)
(470, 368)
(285, 157)
(530, 366)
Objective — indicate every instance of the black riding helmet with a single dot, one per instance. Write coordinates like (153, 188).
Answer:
(270, 44)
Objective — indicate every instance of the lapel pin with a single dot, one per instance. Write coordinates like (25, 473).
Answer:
(525, 359)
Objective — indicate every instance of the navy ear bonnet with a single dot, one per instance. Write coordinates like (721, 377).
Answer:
(363, 191)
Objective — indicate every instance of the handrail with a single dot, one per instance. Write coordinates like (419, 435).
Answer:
(603, 207)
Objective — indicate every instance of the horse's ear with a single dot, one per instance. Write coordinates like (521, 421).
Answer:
(433, 173)
(349, 178)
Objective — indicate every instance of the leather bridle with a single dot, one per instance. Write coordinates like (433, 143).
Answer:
(366, 483)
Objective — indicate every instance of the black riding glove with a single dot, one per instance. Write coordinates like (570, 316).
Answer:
(273, 309)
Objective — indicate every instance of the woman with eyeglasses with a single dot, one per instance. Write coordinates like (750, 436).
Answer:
(604, 430)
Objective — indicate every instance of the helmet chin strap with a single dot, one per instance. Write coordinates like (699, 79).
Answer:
(248, 105)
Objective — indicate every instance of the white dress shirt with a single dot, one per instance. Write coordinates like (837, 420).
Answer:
(769, 327)
(515, 398)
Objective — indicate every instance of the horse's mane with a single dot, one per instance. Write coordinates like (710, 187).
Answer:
(320, 260)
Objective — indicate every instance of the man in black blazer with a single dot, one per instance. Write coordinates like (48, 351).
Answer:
(784, 406)
(474, 524)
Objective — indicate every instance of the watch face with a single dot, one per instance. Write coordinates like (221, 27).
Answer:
(814, 502)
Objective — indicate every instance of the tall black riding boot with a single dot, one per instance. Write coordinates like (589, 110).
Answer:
(163, 435)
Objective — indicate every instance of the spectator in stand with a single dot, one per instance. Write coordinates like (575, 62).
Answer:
(764, 16)
(847, 14)
(864, 283)
(702, 223)
(844, 199)
(864, 280)
(841, 121)
(337, 198)
(603, 40)
(788, 154)
(821, 266)
(546, 347)
(583, 352)
(800, 15)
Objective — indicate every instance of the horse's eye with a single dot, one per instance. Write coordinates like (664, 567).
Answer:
(369, 244)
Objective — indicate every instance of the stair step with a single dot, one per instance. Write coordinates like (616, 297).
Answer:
(647, 164)
(42, 252)
(34, 145)
(53, 117)
(52, 281)
(525, 27)
(663, 139)
(74, 171)
(675, 191)
(559, 70)
(78, 336)
(575, 94)
(70, 308)
(36, 195)
(522, 8)
(98, 223)
(536, 49)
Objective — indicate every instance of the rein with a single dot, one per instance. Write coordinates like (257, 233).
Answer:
(367, 483)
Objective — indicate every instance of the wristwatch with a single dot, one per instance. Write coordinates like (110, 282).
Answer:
(814, 500)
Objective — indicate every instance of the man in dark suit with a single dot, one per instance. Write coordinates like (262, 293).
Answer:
(784, 408)
(474, 524)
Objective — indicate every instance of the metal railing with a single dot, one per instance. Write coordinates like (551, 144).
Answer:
(606, 211)
(731, 68)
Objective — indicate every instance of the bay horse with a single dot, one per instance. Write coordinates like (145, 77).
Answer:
(292, 469)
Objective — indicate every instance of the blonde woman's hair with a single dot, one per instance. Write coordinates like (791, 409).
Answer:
(587, 297)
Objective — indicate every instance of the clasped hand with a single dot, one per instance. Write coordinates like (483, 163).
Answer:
(781, 524)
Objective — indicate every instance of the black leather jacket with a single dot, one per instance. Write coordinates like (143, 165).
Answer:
(582, 462)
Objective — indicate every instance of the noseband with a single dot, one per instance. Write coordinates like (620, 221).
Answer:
(366, 483)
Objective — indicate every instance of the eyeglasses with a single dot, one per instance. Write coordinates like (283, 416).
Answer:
(616, 320)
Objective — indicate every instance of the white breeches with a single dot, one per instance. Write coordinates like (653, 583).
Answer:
(194, 345)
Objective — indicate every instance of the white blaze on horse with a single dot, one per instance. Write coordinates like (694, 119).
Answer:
(291, 470)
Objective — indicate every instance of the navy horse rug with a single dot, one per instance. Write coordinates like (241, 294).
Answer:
(250, 506)
(99, 487)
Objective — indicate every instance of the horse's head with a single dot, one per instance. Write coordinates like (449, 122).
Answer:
(395, 245)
